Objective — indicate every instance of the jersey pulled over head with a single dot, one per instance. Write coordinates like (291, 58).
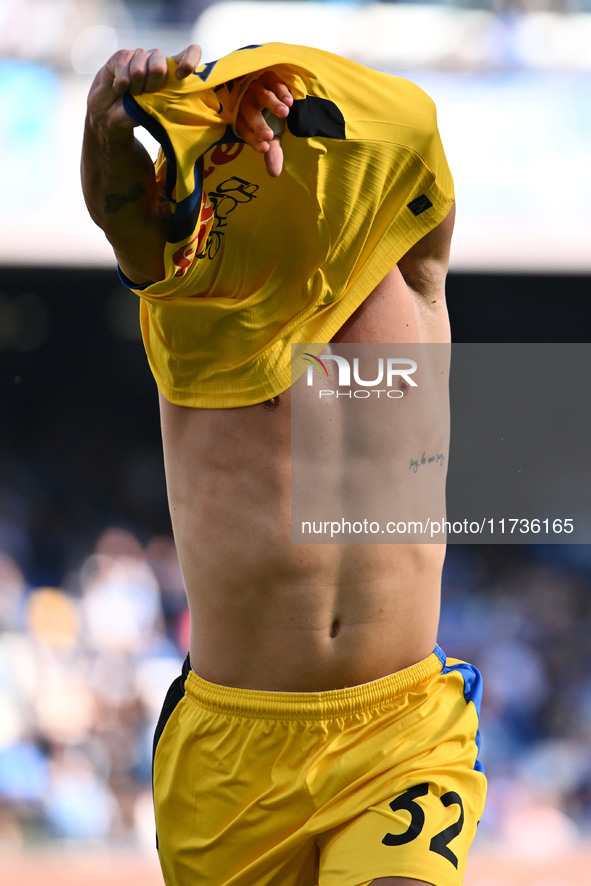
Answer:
(254, 264)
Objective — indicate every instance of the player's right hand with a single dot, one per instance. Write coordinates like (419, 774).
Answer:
(138, 71)
(266, 93)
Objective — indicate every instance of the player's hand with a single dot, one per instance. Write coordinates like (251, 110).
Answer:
(267, 93)
(138, 71)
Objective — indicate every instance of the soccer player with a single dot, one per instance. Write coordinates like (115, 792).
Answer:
(317, 734)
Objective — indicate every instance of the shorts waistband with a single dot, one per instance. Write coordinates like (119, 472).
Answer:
(327, 705)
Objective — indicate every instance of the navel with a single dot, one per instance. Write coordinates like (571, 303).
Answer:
(335, 628)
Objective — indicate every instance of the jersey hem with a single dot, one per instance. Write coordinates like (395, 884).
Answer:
(384, 258)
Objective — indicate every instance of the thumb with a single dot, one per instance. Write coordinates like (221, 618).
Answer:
(274, 158)
(187, 60)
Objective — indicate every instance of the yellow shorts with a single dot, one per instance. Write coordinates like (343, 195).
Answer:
(337, 788)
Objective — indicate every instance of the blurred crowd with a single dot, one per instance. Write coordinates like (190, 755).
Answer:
(78, 35)
(84, 668)
(85, 664)
(523, 616)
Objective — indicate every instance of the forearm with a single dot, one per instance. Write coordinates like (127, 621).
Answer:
(116, 174)
(122, 197)
(118, 179)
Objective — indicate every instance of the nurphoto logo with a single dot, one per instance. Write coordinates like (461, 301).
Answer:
(394, 374)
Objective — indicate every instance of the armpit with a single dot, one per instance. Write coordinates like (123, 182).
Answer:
(424, 267)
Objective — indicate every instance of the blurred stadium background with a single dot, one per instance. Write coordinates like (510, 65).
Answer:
(92, 619)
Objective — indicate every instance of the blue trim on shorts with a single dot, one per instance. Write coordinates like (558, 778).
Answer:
(472, 689)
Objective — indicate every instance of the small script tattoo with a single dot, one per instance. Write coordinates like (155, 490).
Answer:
(115, 202)
(416, 463)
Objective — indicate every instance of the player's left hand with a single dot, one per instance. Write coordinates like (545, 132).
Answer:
(267, 93)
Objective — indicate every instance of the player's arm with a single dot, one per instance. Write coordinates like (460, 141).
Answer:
(118, 179)
(424, 267)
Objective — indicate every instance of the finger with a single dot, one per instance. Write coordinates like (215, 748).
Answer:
(157, 71)
(279, 90)
(274, 158)
(251, 124)
(271, 148)
(254, 141)
(187, 60)
(139, 67)
(262, 94)
(118, 68)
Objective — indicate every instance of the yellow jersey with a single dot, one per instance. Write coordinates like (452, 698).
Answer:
(255, 264)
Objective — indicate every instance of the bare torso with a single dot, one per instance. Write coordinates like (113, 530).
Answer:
(269, 614)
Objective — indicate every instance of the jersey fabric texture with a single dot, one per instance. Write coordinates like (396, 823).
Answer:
(254, 263)
(335, 788)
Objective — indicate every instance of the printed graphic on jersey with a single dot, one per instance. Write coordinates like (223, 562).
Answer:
(184, 255)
